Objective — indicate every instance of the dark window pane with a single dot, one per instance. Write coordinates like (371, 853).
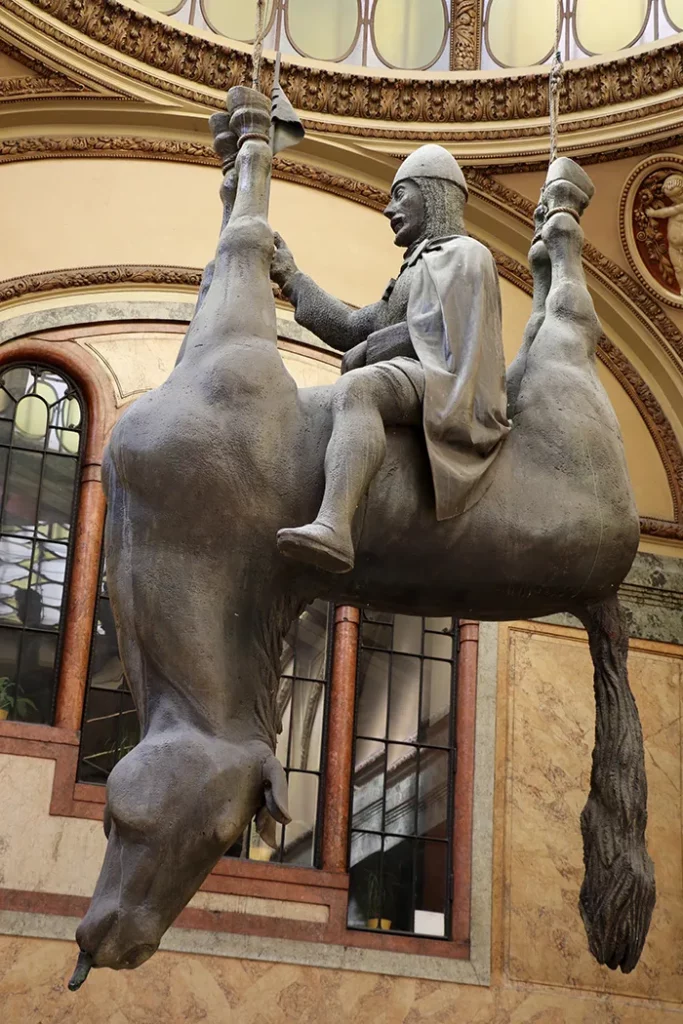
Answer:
(56, 497)
(16, 556)
(435, 716)
(38, 652)
(433, 793)
(405, 697)
(371, 696)
(46, 591)
(402, 796)
(37, 497)
(408, 634)
(368, 791)
(399, 816)
(21, 496)
(9, 660)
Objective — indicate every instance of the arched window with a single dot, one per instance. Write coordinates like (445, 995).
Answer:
(42, 426)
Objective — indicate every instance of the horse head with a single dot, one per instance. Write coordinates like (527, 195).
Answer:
(175, 804)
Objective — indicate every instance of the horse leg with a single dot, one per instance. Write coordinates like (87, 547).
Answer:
(618, 891)
(571, 328)
(238, 301)
(539, 262)
(225, 144)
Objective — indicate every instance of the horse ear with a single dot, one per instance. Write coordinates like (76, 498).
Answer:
(265, 826)
(275, 790)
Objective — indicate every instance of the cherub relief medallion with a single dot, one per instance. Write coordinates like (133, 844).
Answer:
(651, 223)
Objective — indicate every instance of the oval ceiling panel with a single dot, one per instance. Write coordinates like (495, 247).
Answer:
(235, 19)
(409, 33)
(324, 31)
(521, 33)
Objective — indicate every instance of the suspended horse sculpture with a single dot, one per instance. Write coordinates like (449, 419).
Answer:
(204, 472)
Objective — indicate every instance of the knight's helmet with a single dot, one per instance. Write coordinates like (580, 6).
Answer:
(431, 161)
(442, 184)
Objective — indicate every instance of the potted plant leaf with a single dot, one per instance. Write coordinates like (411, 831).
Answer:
(12, 699)
(377, 899)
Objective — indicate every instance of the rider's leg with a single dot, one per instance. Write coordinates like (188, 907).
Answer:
(364, 402)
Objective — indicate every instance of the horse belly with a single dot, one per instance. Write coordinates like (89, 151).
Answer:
(557, 522)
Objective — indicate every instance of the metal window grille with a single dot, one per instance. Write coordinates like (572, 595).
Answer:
(110, 725)
(42, 426)
(302, 708)
(401, 840)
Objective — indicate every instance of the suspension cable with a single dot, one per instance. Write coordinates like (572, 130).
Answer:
(555, 83)
(258, 42)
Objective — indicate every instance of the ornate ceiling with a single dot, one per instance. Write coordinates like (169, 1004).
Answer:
(606, 106)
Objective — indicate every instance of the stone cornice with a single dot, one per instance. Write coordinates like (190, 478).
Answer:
(46, 80)
(502, 106)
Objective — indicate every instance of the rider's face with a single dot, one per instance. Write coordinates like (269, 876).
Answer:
(406, 211)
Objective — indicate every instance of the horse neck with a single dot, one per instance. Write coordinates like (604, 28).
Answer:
(236, 698)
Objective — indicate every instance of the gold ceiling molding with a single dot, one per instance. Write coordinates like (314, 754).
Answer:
(212, 65)
(14, 288)
(465, 38)
(40, 147)
(44, 80)
(46, 146)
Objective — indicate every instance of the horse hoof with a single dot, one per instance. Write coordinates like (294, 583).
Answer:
(310, 544)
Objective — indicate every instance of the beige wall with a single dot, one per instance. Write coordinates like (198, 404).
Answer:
(77, 213)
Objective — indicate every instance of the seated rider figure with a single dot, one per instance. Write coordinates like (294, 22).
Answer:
(429, 354)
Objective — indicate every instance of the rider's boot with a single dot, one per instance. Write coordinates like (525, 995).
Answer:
(325, 545)
(318, 544)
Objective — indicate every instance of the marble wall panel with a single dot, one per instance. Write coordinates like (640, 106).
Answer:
(185, 989)
(550, 716)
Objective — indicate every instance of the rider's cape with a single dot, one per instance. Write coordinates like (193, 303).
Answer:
(454, 318)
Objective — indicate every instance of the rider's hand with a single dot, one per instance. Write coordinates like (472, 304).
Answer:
(282, 266)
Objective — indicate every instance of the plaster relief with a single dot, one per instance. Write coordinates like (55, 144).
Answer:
(651, 224)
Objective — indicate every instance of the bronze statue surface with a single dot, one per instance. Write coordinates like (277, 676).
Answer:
(205, 473)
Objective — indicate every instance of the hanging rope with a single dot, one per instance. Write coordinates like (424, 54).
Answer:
(556, 75)
(258, 42)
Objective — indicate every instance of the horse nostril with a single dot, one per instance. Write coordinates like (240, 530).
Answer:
(138, 954)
